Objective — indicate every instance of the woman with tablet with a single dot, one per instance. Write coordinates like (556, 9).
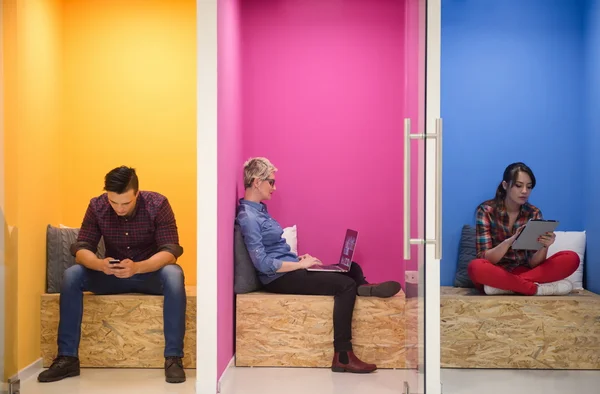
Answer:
(282, 271)
(502, 269)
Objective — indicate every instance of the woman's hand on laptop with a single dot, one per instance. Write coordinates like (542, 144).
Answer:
(307, 261)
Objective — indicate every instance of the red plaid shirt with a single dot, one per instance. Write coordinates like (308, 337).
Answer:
(151, 228)
(492, 228)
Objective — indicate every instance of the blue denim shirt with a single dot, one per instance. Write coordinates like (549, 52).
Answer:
(263, 238)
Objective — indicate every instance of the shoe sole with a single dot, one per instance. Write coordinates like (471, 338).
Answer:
(553, 294)
(339, 369)
(555, 291)
(56, 379)
(384, 290)
(175, 380)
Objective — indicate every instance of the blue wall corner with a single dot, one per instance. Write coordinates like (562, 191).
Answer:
(512, 90)
(591, 189)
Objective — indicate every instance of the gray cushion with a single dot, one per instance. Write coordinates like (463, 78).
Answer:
(245, 279)
(58, 254)
(467, 252)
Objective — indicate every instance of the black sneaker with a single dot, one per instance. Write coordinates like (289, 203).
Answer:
(62, 367)
(174, 372)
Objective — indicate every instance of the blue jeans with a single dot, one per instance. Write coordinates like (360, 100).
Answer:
(167, 281)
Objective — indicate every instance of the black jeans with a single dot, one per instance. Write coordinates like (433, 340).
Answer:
(340, 285)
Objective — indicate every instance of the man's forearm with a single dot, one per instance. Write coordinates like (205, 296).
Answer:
(88, 259)
(156, 262)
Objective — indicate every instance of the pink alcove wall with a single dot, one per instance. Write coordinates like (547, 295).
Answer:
(229, 162)
(324, 96)
(322, 89)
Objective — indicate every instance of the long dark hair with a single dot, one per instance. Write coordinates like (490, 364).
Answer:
(511, 174)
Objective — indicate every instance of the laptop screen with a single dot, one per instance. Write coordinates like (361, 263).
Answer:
(348, 248)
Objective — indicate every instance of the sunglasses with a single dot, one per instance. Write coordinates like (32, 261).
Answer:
(271, 181)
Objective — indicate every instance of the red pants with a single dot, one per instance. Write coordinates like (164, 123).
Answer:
(522, 279)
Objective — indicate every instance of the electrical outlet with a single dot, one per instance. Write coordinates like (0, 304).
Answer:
(411, 284)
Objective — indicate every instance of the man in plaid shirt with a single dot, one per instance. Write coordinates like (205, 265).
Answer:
(139, 231)
(500, 269)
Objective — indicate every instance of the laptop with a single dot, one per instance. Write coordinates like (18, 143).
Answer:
(346, 257)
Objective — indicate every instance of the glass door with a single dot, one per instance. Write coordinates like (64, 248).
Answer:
(422, 196)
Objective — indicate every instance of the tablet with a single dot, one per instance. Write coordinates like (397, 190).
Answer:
(528, 239)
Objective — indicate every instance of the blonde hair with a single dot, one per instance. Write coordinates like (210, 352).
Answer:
(257, 168)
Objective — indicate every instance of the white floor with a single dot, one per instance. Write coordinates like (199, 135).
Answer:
(321, 381)
(310, 381)
(112, 381)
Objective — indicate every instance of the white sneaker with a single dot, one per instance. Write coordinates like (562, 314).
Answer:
(561, 287)
(489, 290)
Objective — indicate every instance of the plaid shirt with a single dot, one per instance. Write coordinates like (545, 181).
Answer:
(149, 229)
(492, 228)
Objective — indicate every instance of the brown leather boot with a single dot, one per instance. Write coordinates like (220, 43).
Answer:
(174, 372)
(348, 362)
(62, 367)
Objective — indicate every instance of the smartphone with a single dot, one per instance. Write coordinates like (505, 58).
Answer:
(115, 261)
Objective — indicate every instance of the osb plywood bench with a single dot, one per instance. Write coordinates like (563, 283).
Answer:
(519, 332)
(276, 330)
(120, 331)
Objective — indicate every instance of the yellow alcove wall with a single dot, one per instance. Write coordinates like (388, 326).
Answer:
(101, 83)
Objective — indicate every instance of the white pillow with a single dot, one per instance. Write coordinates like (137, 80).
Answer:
(575, 241)
(291, 238)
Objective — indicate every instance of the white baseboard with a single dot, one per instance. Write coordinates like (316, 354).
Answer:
(31, 370)
(225, 374)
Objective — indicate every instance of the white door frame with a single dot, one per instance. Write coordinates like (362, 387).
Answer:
(432, 266)
(206, 189)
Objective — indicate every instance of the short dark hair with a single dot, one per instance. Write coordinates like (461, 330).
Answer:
(121, 180)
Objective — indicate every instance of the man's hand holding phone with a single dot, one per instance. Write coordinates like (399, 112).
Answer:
(124, 269)
(108, 265)
(120, 268)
